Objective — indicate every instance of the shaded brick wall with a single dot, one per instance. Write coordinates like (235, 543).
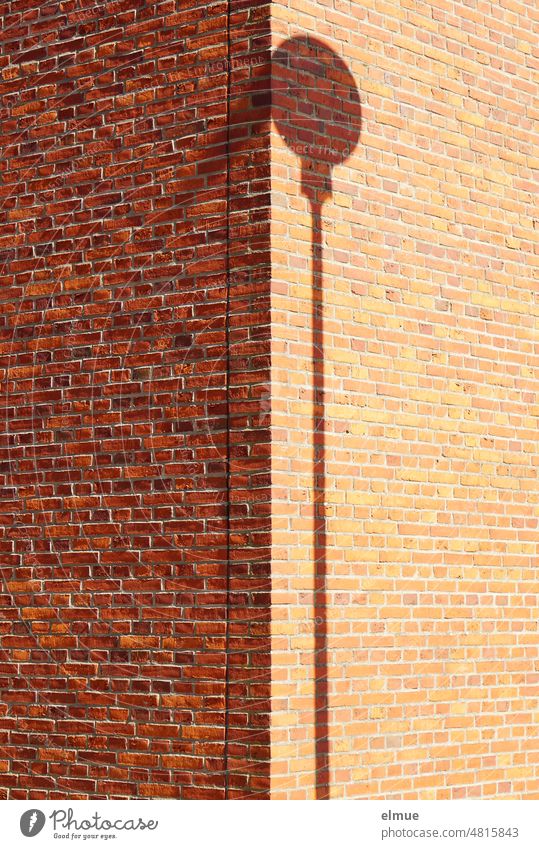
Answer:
(134, 360)
(430, 371)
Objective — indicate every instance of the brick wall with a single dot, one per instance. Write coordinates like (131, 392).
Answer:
(136, 450)
(134, 356)
(426, 336)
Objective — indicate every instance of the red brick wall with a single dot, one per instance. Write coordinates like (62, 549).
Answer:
(136, 449)
(429, 366)
(134, 356)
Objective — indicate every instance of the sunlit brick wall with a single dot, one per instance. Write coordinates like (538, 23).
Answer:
(431, 356)
(135, 336)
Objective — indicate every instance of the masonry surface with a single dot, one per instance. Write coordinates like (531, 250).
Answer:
(135, 383)
(185, 343)
(426, 352)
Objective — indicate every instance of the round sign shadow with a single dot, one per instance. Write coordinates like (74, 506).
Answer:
(316, 108)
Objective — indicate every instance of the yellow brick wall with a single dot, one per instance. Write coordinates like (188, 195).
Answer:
(431, 368)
